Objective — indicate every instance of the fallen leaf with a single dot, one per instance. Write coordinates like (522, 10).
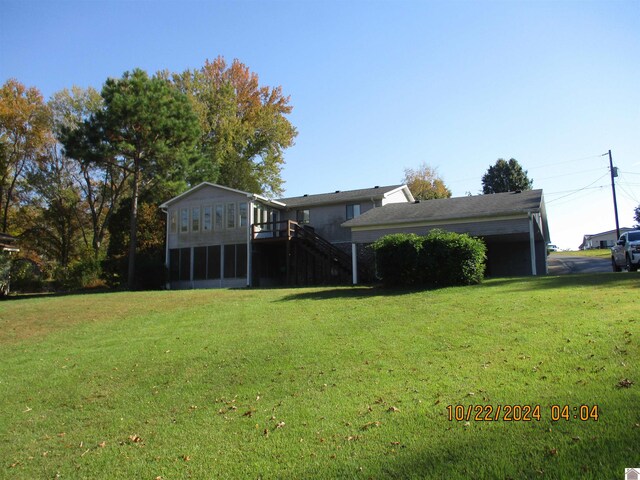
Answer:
(553, 452)
(393, 409)
(625, 383)
(280, 425)
(102, 444)
(135, 438)
(266, 432)
(186, 458)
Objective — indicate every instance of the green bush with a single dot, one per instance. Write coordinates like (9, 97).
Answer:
(397, 258)
(436, 260)
(26, 276)
(5, 271)
(80, 274)
(452, 259)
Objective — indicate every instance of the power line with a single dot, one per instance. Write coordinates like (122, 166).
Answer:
(580, 189)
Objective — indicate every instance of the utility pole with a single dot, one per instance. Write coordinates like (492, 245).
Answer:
(614, 174)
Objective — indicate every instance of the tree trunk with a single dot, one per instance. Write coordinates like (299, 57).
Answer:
(133, 228)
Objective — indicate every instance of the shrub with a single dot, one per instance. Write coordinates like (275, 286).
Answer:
(452, 259)
(436, 260)
(80, 274)
(5, 271)
(26, 276)
(397, 258)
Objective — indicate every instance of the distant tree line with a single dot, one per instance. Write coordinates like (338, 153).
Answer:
(82, 174)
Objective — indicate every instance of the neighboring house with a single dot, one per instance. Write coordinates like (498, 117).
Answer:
(7, 243)
(222, 237)
(513, 226)
(601, 240)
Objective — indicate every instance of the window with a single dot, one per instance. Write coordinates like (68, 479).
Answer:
(174, 265)
(213, 262)
(185, 264)
(302, 216)
(231, 215)
(195, 219)
(235, 261)
(353, 211)
(173, 221)
(229, 261)
(219, 218)
(199, 263)
(242, 210)
(184, 220)
(206, 219)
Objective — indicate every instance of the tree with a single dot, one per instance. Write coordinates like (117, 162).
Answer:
(24, 136)
(637, 216)
(102, 184)
(244, 127)
(505, 177)
(147, 129)
(425, 183)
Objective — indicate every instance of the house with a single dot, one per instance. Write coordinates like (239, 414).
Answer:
(222, 237)
(513, 226)
(601, 240)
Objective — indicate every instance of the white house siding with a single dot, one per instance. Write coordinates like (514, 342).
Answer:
(225, 238)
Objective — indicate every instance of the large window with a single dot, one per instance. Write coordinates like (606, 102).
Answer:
(302, 216)
(353, 211)
(242, 210)
(219, 217)
(173, 221)
(235, 261)
(213, 262)
(184, 220)
(185, 264)
(231, 215)
(200, 263)
(195, 219)
(206, 219)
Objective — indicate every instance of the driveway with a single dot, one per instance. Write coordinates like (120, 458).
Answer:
(562, 264)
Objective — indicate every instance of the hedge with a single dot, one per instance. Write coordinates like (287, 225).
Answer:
(438, 259)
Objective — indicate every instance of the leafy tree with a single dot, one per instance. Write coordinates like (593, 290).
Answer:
(54, 217)
(101, 183)
(425, 183)
(637, 216)
(244, 126)
(24, 136)
(505, 177)
(147, 129)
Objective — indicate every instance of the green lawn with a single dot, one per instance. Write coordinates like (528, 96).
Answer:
(323, 382)
(595, 253)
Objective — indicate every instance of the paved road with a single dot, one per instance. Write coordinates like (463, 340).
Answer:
(562, 264)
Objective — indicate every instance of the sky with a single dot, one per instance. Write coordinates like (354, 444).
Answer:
(381, 86)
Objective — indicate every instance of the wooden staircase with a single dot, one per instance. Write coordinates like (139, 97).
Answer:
(310, 259)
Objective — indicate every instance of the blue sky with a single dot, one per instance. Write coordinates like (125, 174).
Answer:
(378, 86)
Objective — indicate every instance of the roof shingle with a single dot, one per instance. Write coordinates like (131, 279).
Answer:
(450, 208)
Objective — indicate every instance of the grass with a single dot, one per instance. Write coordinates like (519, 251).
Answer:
(594, 253)
(322, 382)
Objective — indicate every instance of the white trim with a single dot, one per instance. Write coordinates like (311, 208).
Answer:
(215, 185)
(407, 193)
(249, 241)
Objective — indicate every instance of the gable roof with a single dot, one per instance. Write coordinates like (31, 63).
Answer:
(492, 205)
(222, 187)
(375, 193)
